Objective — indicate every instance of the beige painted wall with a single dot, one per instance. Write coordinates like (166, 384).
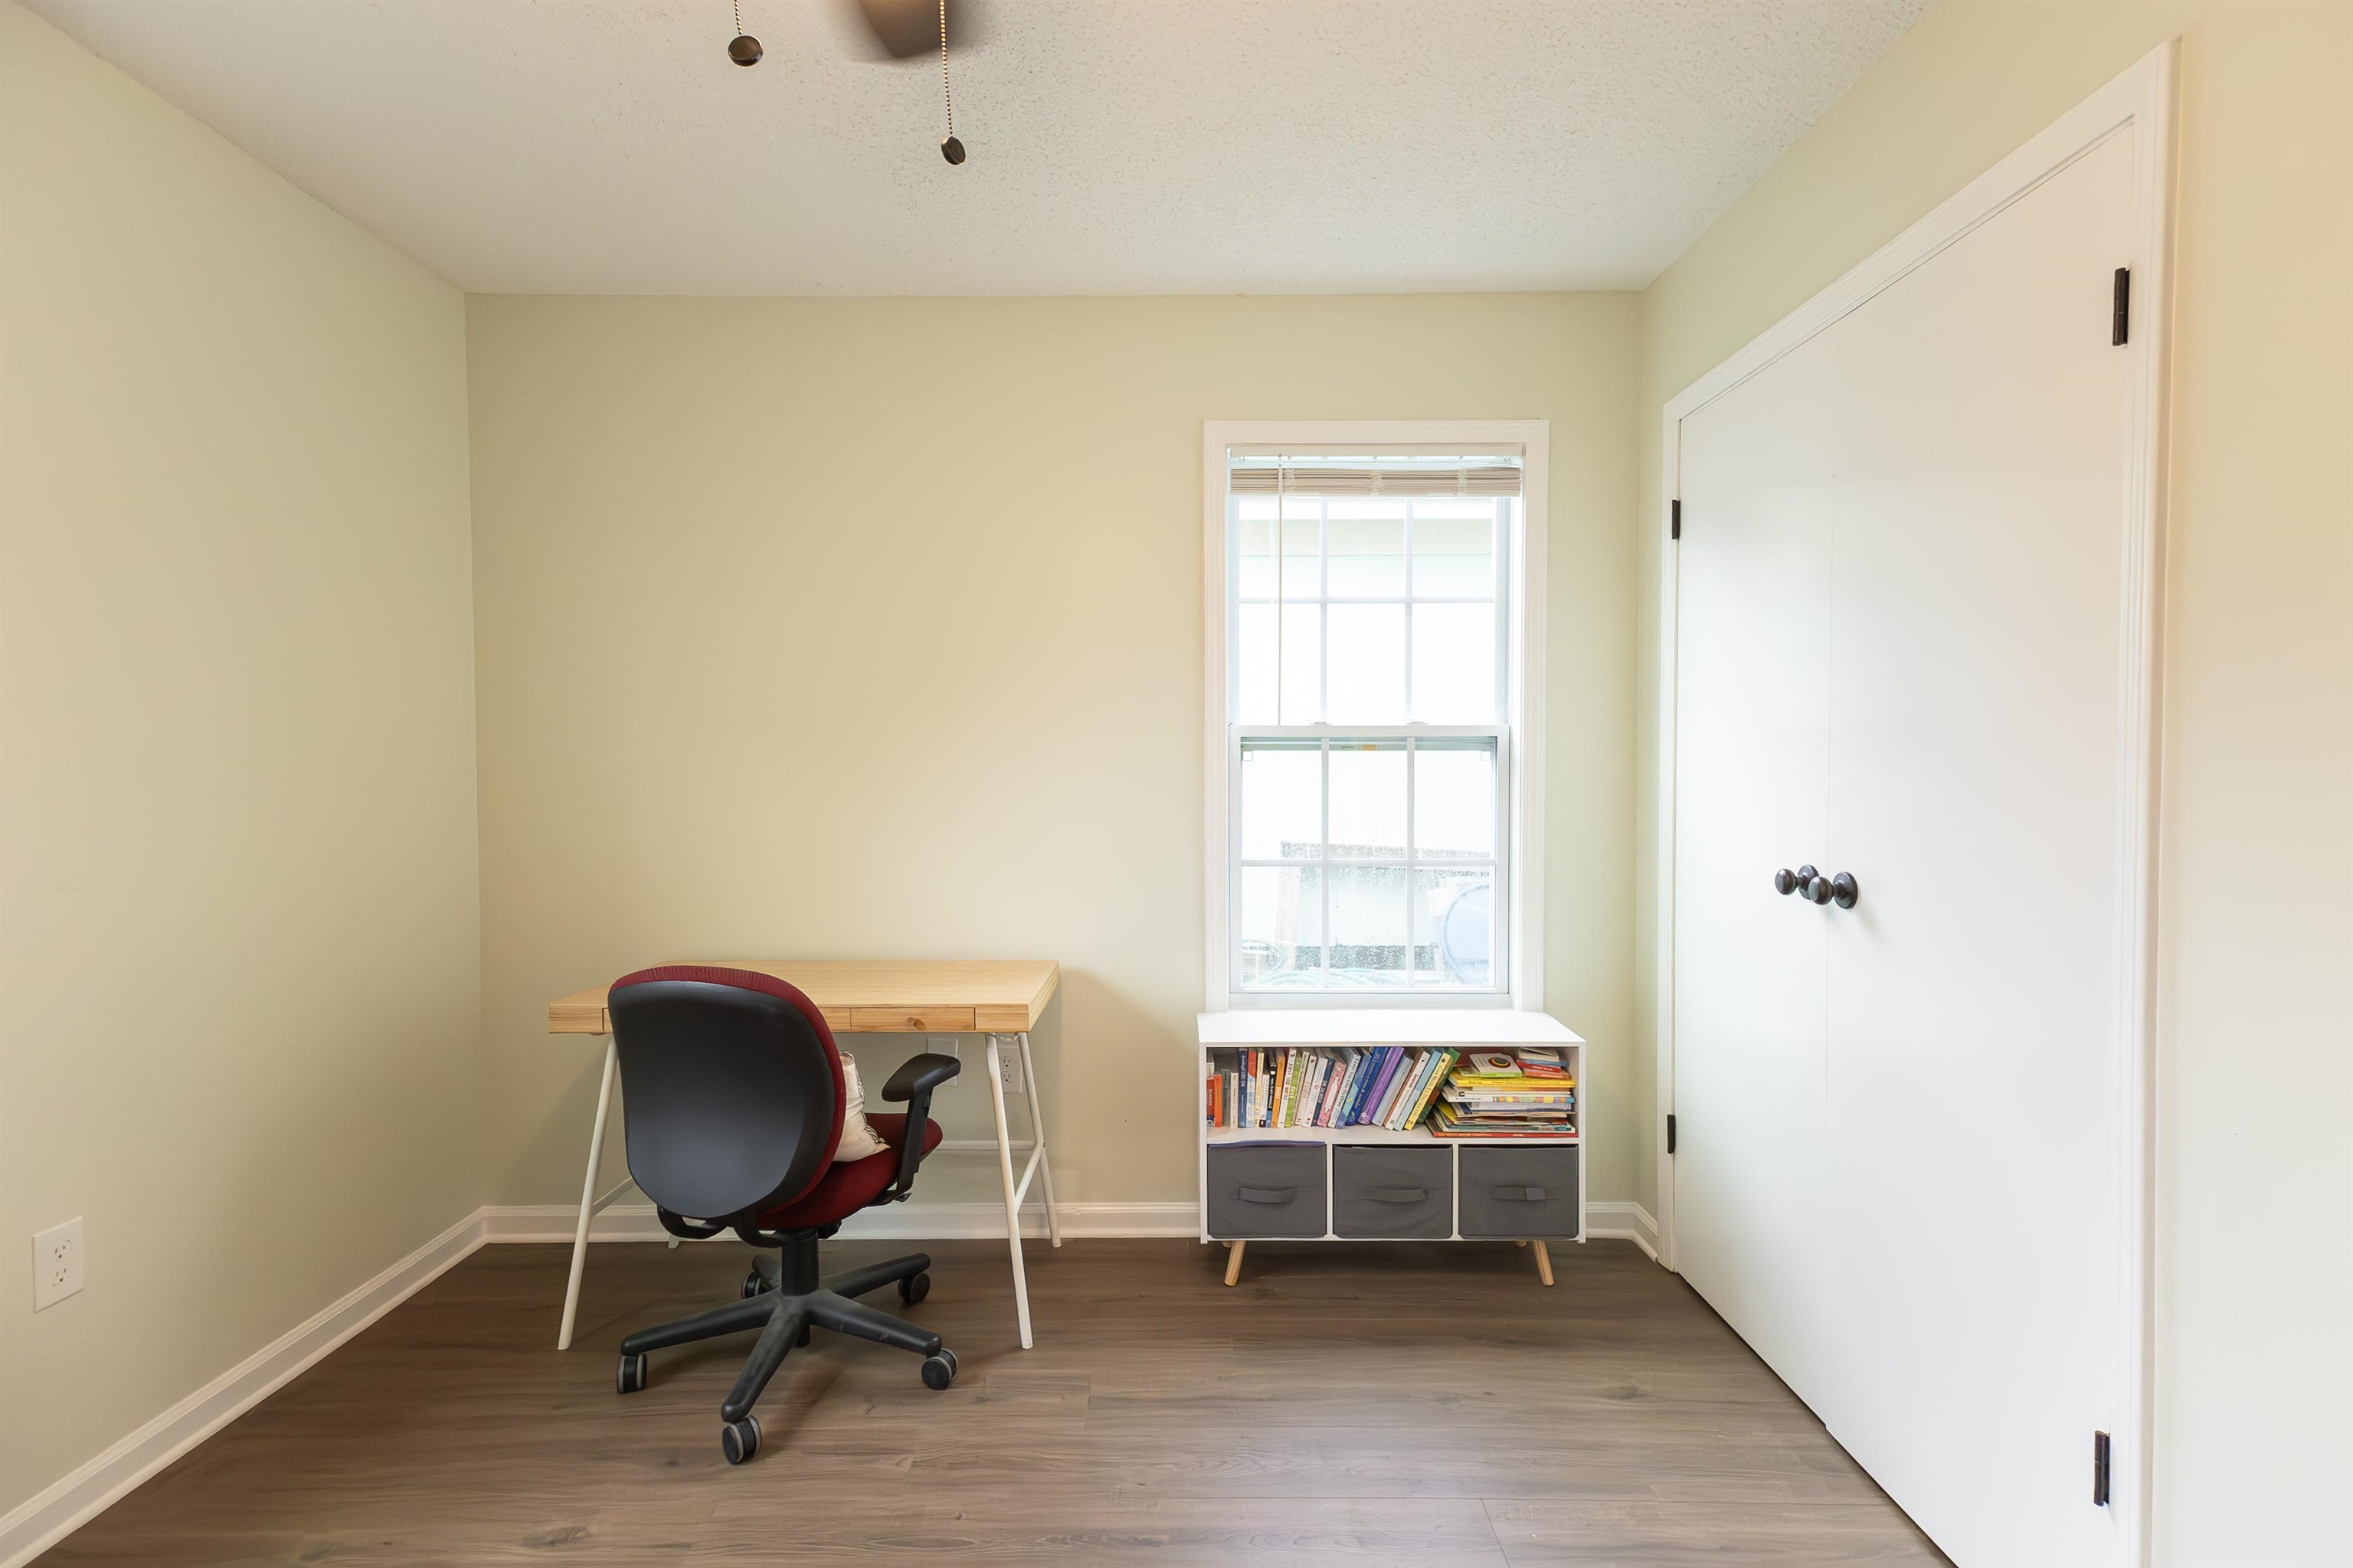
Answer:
(239, 961)
(871, 627)
(2255, 1071)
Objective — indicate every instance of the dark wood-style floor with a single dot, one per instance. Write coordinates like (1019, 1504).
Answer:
(1378, 1403)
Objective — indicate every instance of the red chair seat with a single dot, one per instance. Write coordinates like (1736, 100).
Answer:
(851, 1184)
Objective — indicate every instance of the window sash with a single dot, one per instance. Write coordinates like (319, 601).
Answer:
(1498, 595)
(1497, 863)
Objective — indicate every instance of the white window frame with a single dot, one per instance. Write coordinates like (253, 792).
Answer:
(1520, 858)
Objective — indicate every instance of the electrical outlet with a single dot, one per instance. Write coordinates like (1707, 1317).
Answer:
(56, 1263)
(944, 1045)
(1009, 1068)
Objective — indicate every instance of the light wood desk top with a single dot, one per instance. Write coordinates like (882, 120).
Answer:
(878, 996)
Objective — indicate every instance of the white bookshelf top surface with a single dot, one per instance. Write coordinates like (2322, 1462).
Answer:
(1384, 1026)
(1420, 1136)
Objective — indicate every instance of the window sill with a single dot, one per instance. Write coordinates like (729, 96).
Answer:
(1326, 1025)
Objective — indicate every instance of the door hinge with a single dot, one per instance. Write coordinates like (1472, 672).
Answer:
(2099, 1469)
(1676, 518)
(1670, 1132)
(2120, 320)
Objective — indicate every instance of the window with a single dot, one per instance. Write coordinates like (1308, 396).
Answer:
(1371, 731)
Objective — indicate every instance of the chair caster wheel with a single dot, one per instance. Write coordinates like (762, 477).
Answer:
(738, 1440)
(632, 1378)
(802, 1343)
(753, 1284)
(913, 1290)
(939, 1368)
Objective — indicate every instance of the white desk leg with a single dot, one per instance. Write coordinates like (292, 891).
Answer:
(1038, 1135)
(588, 1196)
(1012, 1193)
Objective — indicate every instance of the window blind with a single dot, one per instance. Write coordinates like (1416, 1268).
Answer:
(1297, 474)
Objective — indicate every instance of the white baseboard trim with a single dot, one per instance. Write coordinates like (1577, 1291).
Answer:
(1623, 1222)
(899, 1221)
(47, 1517)
(972, 1222)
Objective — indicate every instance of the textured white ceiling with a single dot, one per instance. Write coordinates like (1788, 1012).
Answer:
(1118, 146)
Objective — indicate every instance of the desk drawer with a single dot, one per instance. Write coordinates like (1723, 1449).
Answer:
(911, 1020)
(1384, 1190)
(1528, 1193)
(1266, 1190)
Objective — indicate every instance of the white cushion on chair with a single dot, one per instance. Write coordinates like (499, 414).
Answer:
(858, 1140)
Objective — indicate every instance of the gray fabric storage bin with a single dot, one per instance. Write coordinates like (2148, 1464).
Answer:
(1524, 1193)
(1266, 1190)
(1374, 1189)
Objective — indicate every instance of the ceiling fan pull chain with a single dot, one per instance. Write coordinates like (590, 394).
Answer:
(745, 50)
(950, 149)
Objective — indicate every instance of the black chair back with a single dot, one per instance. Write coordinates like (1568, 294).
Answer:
(731, 1089)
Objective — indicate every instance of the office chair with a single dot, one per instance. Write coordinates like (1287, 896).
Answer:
(732, 1101)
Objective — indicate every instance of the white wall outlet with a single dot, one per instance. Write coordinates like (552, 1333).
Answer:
(1009, 1068)
(56, 1263)
(944, 1045)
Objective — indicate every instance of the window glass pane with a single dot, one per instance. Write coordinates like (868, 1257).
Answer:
(1282, 800)
(1454, 799)
(1367, 801)
(1367, 924)
(1366, 546)
(1254, 536)
(1256, 665)
(1302, 666)
(1303, 570)
(1454, 550)
(1454, 926)
(1282, 926)
(1367, 674)
(1453, 663)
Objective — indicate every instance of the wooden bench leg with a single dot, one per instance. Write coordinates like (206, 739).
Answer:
(1544, 1262)
(1234, 1261)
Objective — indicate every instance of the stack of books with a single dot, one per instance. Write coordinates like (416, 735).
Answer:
(1526, 1093)
(1392, 1086)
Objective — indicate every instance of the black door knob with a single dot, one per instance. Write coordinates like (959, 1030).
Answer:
(1843, 891)
(1817, 889)
(1785, 882)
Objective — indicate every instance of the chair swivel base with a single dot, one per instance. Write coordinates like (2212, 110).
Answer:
(785, 1320)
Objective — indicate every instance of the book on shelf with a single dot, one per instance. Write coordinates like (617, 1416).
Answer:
(1527, 1093)
(1392, 1086)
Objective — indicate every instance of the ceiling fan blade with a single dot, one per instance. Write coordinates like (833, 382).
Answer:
(907, 29)
(902, 29)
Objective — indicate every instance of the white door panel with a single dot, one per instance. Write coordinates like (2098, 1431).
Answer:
(1975, 787)
(1750, 777)
(1899, 655)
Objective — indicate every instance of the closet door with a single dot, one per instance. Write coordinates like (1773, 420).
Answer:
(1751, 760)
(1977, 788)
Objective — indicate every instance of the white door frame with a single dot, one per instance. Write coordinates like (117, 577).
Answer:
(2141, 98)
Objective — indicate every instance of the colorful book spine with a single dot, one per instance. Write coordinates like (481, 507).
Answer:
(1442, 1064)
(1369, 1106)
(1409, 1066)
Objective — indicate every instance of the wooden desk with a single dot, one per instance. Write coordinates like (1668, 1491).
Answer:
(998, 999)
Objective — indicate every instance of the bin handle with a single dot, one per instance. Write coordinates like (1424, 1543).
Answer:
(1520, 1194)
(1397, 1194)
(1267, 1194)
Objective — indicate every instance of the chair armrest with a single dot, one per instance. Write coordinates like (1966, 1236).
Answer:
(913, 1082)
(919, 1074)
